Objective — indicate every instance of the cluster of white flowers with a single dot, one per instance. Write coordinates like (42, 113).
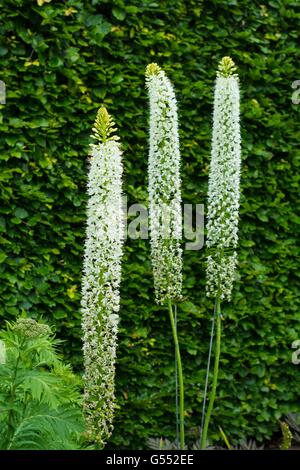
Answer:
(224, 182)
(101, 278)
(164, 187)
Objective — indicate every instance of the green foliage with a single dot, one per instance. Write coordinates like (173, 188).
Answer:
(39, 395)
(293, 421)
(286, 436)
(165, 444)
(161, 444)
(60, 62)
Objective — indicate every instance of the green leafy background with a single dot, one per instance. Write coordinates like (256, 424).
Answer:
(60, 61)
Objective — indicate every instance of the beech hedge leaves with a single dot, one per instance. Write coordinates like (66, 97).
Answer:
(60, 61)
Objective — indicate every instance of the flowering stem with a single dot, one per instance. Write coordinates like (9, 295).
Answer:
(164, 187)
(215, 375)
(13, 387)
(101, 278)
(208, 367)
(180, 375)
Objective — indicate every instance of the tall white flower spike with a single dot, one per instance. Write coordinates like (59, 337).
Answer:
(101, 278)
(223, 211)
(224, 182)
(164, 187)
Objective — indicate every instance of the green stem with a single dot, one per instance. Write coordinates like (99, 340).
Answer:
(180, 375)
(11, 413)
(215, 376)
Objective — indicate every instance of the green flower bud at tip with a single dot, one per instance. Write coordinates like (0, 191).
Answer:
(227, 67)
(152, 69)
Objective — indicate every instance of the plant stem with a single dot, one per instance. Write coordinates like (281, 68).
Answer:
(208, 367)
(215, 376)
(176, 384)
(180, 375)
(11, 399)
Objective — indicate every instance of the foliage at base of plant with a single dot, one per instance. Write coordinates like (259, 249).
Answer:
(293, 421)
(60, 62)
(165, 444)
(39, 394)
(287, 436)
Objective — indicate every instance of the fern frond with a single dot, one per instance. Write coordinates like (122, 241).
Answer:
(39, 395)
(43, 387)
(48, 429)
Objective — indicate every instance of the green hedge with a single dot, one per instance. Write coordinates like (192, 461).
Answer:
(60, 61)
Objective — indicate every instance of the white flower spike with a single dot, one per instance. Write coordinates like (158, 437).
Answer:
(101, 278)
(224, 183)
(164, 187)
